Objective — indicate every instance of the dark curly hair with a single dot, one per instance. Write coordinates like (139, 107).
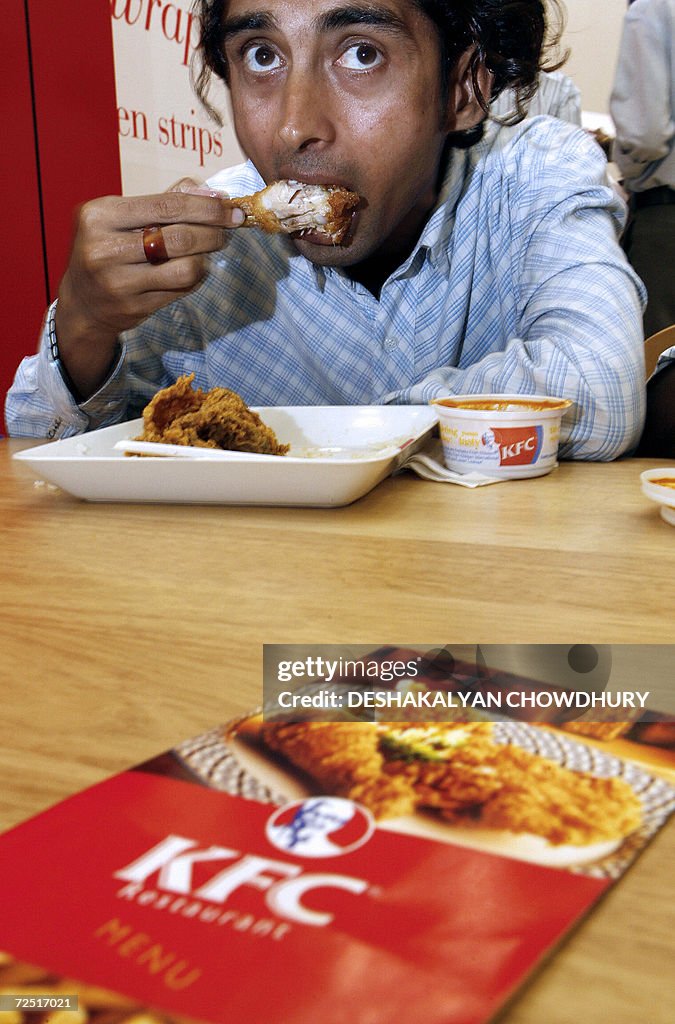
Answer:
(513, 39)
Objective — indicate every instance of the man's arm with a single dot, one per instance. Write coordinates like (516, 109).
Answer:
(77, 380)
(40, 403)
(577, 332)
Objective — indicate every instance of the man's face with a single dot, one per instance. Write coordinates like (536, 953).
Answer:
(342, 92)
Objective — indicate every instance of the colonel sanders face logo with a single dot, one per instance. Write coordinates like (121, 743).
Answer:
(489, 441)
(322, 826)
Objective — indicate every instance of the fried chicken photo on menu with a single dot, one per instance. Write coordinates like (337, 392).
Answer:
(460, 773)
(219, 418)
(346, 760)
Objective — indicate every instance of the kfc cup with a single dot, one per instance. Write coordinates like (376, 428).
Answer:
(505, 436)
(659, 485)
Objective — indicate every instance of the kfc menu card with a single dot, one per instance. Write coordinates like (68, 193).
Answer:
(302, 873)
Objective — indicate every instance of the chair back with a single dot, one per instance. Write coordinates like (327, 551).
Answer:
(657, 344)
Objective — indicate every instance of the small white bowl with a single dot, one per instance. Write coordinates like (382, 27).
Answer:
(505, 436)
(659, 485)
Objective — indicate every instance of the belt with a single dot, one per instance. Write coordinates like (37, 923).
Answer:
(663, 195)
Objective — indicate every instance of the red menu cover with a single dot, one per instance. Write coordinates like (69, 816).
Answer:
(230, 880)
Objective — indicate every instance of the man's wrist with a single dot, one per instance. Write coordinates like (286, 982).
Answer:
(83, 365)
(54, 353)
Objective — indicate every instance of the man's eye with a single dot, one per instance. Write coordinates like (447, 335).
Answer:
(261, 58)
(361, 57)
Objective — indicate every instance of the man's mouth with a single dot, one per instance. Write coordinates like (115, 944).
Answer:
(288, 173)
(324, 196)
(317, 237)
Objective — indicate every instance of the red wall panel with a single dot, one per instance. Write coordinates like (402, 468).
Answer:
(74, 84)
(24, 280)
(60, 148)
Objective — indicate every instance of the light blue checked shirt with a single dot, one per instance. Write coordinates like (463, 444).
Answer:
(517, 284)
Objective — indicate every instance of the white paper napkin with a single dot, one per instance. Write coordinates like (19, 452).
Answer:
(429, 464)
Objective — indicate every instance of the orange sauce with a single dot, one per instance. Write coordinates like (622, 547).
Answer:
(511, 404)
(664, 481)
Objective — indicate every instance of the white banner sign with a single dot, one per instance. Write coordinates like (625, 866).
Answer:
(164, 132)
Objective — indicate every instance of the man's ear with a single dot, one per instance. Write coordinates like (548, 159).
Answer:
(463, 109)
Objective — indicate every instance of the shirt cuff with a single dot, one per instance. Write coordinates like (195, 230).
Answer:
(106, 406)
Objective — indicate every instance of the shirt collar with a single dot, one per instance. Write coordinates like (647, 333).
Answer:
(434, 241)
(436, 233)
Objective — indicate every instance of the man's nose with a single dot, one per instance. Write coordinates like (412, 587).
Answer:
(305, 117)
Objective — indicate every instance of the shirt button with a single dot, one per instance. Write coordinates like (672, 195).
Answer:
(390, 344)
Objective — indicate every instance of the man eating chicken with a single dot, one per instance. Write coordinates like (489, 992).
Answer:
(478, 257)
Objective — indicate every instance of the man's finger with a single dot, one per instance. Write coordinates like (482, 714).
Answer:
(135, 212)
(193, 187)
(177, 277)
(181, 240)
(139, 290)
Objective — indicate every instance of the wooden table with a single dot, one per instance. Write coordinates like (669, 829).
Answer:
(126, 628)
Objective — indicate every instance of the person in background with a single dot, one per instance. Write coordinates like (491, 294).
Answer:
(556, 96)
(478, 261)
(642, 106)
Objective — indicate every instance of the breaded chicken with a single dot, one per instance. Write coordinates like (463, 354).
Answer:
(562, 806)
(218, 418)
(293, 206)
(460, 772)
(503, 786)
(345, 759)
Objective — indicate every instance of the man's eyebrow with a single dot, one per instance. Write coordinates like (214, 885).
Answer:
(358, 14)
(330, 21)
(254, 21)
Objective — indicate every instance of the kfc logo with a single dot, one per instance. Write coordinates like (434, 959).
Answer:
(517, 446)
(215, 874)
(320, 827)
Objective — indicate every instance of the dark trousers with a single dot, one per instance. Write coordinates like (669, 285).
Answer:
(658, 439)
(649, 243)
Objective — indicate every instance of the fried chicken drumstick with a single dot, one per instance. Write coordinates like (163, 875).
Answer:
(292, 206)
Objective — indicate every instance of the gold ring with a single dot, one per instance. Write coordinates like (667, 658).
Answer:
(153, 245)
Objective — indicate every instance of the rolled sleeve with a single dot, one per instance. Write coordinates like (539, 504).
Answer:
(575, 319)
(39, 403)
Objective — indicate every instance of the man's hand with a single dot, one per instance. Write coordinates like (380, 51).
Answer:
(109, 286)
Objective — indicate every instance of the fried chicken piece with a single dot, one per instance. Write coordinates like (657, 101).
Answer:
(562, 806)
(449, 766)
(459, 771)
(218, 418)
(290, 206)
(503, 786)
(454, 787)
(344, 758)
